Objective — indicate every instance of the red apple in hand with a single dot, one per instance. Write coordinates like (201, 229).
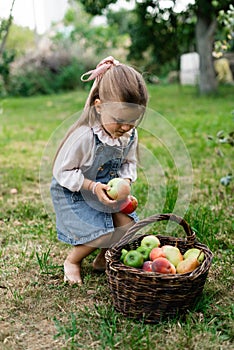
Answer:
(129, 205)
(119, 189)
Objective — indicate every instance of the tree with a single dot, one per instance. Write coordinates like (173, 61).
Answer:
(159, 27)
(6, 56)
(207, 12)
(4, 29)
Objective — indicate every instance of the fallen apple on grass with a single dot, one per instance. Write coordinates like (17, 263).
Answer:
(129, 205)
(119, 189)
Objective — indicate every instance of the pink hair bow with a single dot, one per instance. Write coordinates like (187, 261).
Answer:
(100, 69)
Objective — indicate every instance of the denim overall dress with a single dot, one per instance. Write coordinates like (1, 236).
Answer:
(80, 217)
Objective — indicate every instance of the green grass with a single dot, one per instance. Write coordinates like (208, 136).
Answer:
(37, 309)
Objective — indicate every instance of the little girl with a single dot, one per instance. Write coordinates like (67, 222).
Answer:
(100, 146)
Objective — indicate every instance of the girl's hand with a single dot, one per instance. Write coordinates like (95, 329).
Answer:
(100, 190)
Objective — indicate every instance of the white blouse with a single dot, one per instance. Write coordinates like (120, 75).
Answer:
(76, 156)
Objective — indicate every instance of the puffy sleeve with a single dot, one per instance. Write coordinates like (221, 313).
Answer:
(129, 167)
(74, 156)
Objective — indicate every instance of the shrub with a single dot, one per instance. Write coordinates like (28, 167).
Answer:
(45, 72)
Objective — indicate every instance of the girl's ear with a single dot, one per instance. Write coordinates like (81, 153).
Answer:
(97, 105)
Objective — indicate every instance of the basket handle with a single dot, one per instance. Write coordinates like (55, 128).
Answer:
(158, 217)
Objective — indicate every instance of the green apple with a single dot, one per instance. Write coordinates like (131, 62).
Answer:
(119, 189)
(144, 251)
(196, 253)
(150, 241)
(123, 253)
(133, 259)
(173, 254)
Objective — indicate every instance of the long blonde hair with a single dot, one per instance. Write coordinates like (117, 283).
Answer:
(120, 83)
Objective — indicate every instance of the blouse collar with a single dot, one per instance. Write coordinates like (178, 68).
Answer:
(108, 140)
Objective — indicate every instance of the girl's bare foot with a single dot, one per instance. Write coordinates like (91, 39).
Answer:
(72, 272)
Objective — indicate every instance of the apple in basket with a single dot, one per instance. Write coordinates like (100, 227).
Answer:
(145, 251)
(119, 189)
(123, 253)
(156, 253)
(147, 266)
(129, 205)
(133, 259)
(196, 253)
(163, 265)
(187, 265)
(172, 253)
(192, 259)
(150, 241)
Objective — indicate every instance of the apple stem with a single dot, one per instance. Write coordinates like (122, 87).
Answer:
(201, 251)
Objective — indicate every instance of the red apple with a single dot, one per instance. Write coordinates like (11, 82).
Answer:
(156, 253)
(129, 205)
(147, 266)
(119, 189)
(162, 265)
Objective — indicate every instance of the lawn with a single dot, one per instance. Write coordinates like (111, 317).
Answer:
(181, 163)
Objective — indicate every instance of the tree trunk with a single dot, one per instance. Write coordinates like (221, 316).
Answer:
(205, 30)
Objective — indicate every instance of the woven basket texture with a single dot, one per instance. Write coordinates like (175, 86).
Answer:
(149, 296)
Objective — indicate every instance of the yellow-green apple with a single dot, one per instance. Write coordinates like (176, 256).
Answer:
(147, 266)
(196, 253)
(163, 265)
(129, 205)
(134, 259)
(187, 265)
(156, 253)
(123, 253)
(145, 251)
(150, 241)
(173, 254)
(119, 189)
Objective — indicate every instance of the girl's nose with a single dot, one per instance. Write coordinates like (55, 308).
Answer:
(126, 127)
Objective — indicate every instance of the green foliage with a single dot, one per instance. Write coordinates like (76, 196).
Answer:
(225, 38)
(41, 80)
(98, 38)
(6, 59)
(20, 39)
(6, 56)
(96, 7)
(158, 34)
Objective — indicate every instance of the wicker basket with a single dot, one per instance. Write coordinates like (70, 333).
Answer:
(151, 296)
